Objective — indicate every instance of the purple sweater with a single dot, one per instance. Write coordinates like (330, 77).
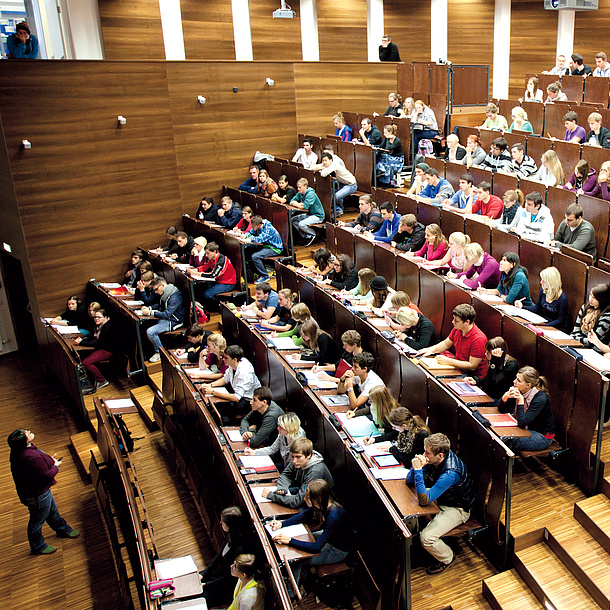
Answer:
(487, 274)
(601, 191)
(33, 472)
(588, 185)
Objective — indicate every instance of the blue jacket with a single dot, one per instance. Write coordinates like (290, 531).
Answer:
(520, 289)
(267, 235)
(19, 50)
(229, 219)
(387, 229)
(171, 308)
(251, 186)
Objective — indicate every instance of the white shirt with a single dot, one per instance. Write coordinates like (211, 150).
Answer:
(372, 381)
(243, 379)
(307, 161)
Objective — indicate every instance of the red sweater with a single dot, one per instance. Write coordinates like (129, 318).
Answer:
(493, 208)
(221, 270)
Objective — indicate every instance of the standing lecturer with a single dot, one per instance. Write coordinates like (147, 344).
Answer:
(34, 473)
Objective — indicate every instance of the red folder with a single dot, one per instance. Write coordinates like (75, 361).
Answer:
(342, 368)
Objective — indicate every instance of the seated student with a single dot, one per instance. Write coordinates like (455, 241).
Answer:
(144, 291)
(241, 381)
(364, 378)
(451, 487)
(411, 234)
(522, 165)
(169, 312)
(408, 106)
(435, 245)
(172, 246)
(583, 179)
(305, 466)
(602, 65)
(467, 340)
(408, 434)
(413, 328)
(208, 210)
(288, 428)
(576, 232)
(437, 191)
(342, 130)
(218, 586)
(369, 218)
(455, 151)
(133, 273)
(423, 123)
(520, 121)
(363, 289)
(560, 68)
(592, 326)
(369, 134)
(380, 293)
(514, 285)
(513, 207)
(265, 303)
(381, 403)
(323, 348)
(494, 120)
(263, 241)
(574, 132)
(345, 180)
(555, 94)
(597, 135)
(550, 172)
(601, 190)
(245, 223)
(475, 155)
(282, 319)
(182, 254)
(391, 160)
(578, 66)
(75, 315)
(211, 363)
(250, 588)
(308, 200)
(418, 179)
(251, 184)
(344, 275)
(464, 197)
(532, 92)
(528, 400)
(285, 193)
(217, 270)
(197, 257)
(352, 346)
(481, 270)
(266, 185)
(454, 256)
(552, 302)
(196, 339)
(305, 155)
(501, 369)
(394, 301)
(499, 158)
(323, 262)
(259, 427)
(90, 322)
(300, 314)
(395, 106)
(389, 226)
(229, 213)
(105, 341)
(536, 222)
(334, 533)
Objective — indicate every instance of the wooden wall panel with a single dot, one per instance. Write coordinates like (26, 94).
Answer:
(132, 30)
(88, 191)
(591, 33)
(533, 40)
(342, 30)
(409, 26)
(277, 39)
(321, 89)
(208, 29)
(215, 142)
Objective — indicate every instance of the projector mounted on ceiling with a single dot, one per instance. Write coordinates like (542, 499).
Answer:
(571, 5)
(284, 12)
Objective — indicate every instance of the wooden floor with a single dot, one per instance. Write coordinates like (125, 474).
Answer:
(81, 574)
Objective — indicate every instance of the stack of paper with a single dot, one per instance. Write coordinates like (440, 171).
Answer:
(378, 448)
(596, 360)
(283, 343)
(133, 303)
(390, 474)
(530, 316)
(315, 382)
(172, 568)
(461, 388)
(556, 335)
(257, 493)
(431, 363)
(234, 436)
(119, 403)
(260, 463)
(358, 427)
(336, 401)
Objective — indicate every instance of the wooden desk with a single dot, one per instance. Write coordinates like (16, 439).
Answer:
(513, 431)
(468, 399)
(405, 499)
(187, 585)
(271, 509)
(289, 553)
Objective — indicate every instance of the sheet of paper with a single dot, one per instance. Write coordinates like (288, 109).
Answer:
(360, 307)
(336, 401)
(390, 474)
(119, 403)
(257, 492)
(530, 316)
(315, 382)
(67, 330)
(405, 347)
(234, 436)
(133, 303)
(489, 298)
(292, 531)
(182, 357)
(256, 461)
(283, 342)
(378, 448)
(182, 266)
(172, 568)
(378, 322)
(109, 285)
(553, 333)
(596, 360)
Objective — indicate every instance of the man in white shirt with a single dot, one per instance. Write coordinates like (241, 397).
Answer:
(346, 180)
(603, 67)
(242, 381)
(560, 68)
(362, 376)
(536, 224)
(305, 156)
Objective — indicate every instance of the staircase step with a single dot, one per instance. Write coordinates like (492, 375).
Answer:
(156, 381)
(594, 515)
(550, 580)
(508, 591)
(153, 367)
(143, 397)
(83, 444)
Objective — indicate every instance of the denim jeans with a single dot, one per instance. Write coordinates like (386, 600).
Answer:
(258, 254)
(535, 442)
(213, 289)
(154, 331)
(301, 223)
(328, 555)
(345, 191)
(43, 508)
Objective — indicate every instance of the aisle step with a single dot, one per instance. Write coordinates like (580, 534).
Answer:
(143, 397)
(549, 579)
(84, 444)
(156, 382)
(594, 515)
(508, 591)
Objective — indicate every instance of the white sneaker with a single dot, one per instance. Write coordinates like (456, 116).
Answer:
(155, 357)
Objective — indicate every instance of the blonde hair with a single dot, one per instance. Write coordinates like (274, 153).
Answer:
(605, 166)
(365, 275)
(300, 312)
(595, 116)
(217, 340)
(390, 129)
(312, 331)
(460, 239)
(552, 277)
(400, 299)
(515, 195)
(520, 112)
(339, 117)
(491, 109)
(291, 423)
(288, 294)
(473, 252)
(438, 234)
(401, 416)
(554, 165)
(383, 402)
(407, 316)
(532, 376)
